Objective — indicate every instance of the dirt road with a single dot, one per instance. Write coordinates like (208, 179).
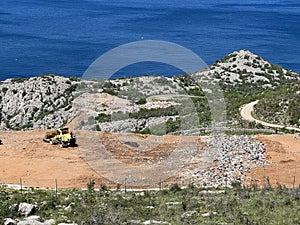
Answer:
(246, 113)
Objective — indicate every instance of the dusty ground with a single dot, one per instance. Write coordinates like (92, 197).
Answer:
(282, 150)
(143, 160)
(24, 155)
(284, 153)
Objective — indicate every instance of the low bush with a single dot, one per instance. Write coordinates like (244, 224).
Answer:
(174, 205)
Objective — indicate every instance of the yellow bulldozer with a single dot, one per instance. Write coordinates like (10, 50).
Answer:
(61, 136)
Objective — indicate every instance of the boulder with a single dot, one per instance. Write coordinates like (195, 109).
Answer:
(25, 209)
(36, 218)
(69, 207)
(30, 222)
(10, 221)
(155, 222)
(49, 222)
(67, 224)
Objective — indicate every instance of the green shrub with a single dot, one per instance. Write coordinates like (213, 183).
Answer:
(102, 117)
(71, 89)
(141, 101)
(19, 80)
(4, 89)
(74, 78)
(175, 188)
(110, 91)
(236, 206)
(97, 127)
(91, 186)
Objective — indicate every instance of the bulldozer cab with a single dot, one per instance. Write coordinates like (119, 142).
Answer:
(62, 131)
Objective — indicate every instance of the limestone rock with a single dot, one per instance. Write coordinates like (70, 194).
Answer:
(67, 224)
(33, 217)
(49, 222)
(30, 222)
(10, 221)
(25, 209)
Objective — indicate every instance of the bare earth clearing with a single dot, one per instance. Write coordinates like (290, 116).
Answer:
(284, 153)
(115, 156)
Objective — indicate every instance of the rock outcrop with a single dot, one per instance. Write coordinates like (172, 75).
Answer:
(130, 104)
(38, 102)
(245, 67)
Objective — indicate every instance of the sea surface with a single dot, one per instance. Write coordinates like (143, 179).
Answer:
(64, 37)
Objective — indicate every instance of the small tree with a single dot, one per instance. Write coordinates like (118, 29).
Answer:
(175, 188)
(91, 186)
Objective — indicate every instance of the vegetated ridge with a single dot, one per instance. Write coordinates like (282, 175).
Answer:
(146, 104)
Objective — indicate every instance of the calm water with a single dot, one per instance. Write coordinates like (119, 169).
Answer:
(64, 37)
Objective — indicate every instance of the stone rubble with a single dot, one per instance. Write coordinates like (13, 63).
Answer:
(232, 157)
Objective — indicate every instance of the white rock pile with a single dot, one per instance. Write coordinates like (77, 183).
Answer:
(233, 157)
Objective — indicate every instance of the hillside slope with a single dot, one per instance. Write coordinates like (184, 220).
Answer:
(281, 106)
(246, 68)
(38, 102)
(147, 104)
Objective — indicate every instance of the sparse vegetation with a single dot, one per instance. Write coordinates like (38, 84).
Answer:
(280, 105)
(19, 80)
(145, 113)
(175, 205)
(102, 117)
(240, 85)
(74, 79)
(165, 128)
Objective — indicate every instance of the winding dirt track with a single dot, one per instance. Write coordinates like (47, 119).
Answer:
(246, 113)
(283, 151)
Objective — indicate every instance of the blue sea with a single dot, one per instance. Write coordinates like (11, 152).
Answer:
(64, 37)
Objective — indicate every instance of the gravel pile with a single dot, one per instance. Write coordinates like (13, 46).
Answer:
(233, 157)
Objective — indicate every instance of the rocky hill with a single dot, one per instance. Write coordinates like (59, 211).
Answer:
(147, 104)
(37, 102)
(244, 67)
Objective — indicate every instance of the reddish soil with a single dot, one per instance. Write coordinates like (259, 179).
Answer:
(283, 151)
(139, 149)
(24, 155)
